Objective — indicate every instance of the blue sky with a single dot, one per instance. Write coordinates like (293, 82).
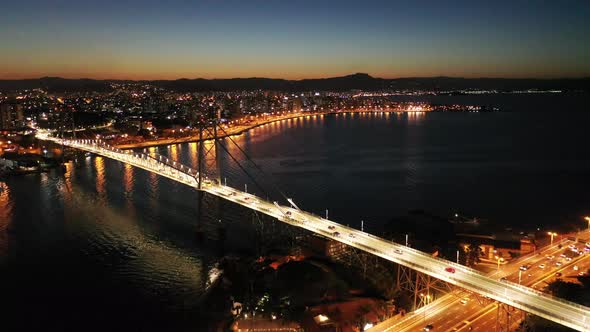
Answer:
(293, 39)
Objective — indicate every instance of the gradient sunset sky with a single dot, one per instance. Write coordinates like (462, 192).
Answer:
(129, 39)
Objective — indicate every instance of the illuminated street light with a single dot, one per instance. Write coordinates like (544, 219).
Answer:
(552, 234)
(499, 259)
(588, 220)
(426, 300)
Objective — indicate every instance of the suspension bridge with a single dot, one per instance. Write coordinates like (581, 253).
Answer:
(527, 299)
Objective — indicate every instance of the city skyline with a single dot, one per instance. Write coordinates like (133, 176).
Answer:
(295, 40)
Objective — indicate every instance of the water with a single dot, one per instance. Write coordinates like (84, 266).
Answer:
(109, 246)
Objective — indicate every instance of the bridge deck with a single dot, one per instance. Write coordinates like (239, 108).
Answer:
(560, 311)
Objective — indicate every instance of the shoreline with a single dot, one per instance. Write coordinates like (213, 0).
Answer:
(195, 138)
(239, 131)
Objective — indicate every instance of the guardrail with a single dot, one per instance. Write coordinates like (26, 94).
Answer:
(180, 172)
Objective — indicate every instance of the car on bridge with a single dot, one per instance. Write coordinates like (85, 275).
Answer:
(336, 234)
(398, 251)
(331, 227)
(542, 266)
(351, 235)
(450, 269)
(428, 327)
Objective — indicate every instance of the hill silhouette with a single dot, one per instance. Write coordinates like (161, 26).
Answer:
(359, 81)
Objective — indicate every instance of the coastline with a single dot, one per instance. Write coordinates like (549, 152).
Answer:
(238, 130)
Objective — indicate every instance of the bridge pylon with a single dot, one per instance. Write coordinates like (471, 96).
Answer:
(208, 159)
(208, 168)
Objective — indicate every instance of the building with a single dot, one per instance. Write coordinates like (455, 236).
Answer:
(323, 247)
(11, 116)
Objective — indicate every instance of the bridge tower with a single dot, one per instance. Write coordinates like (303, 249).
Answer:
(208, 159)
(208, 167)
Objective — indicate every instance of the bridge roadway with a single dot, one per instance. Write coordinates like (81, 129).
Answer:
(560, 311)
(449, 314)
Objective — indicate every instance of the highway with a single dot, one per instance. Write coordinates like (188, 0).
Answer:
(449, 314)
(524, 298)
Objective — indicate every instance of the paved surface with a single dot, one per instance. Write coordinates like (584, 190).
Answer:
(450, 314)
(513, 294)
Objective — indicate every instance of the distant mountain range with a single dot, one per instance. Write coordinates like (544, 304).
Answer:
(351, 82)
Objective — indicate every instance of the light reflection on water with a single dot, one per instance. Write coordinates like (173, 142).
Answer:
(5, 218)
(135, 231)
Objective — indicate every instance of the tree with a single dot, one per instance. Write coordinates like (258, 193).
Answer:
(473, 253)
(566, 290)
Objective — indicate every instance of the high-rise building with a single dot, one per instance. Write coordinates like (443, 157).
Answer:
(11, 116)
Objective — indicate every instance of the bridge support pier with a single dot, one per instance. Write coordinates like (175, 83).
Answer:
(208, 168)
(508, 317)
(422, 286)
(200, 231)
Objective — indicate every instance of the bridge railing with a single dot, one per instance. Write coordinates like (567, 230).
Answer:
(162, 160)
(507, 283)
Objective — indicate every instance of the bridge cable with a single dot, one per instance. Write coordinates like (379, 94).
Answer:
(244, 170)
(269, 178)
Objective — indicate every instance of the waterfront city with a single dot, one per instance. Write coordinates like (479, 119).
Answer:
(333, 166)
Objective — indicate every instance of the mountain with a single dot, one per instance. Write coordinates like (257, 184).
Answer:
(351, 82)
(56, 84)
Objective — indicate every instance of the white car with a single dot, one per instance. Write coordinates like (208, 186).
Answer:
(542, 266)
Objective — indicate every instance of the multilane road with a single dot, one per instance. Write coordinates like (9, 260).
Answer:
(449, 313)
(560, 311)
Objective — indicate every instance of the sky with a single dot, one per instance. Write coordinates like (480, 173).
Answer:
(293, 39)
